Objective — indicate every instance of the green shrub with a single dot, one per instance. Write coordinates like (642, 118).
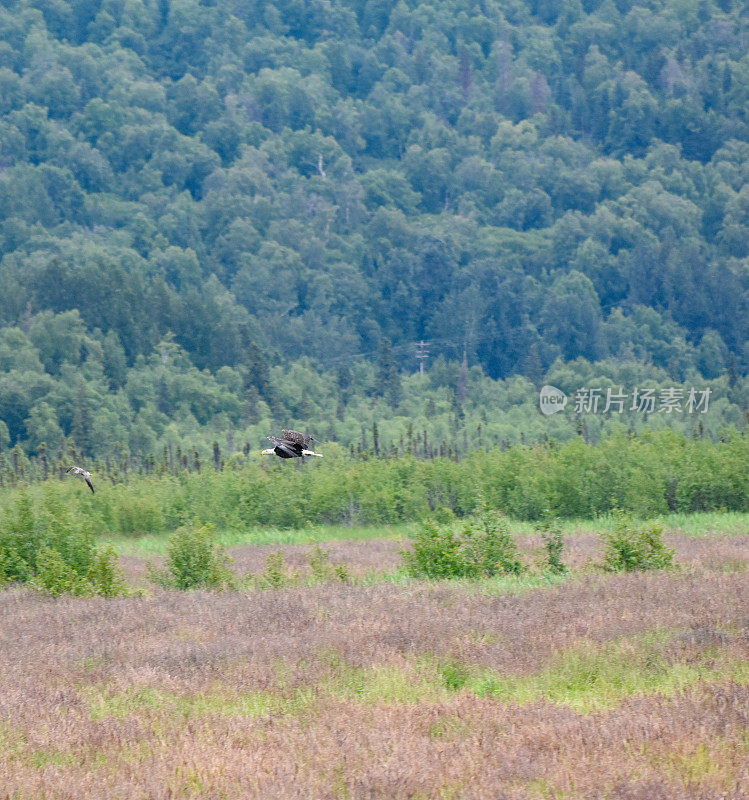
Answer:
(435, 552)
(4, 579)
(277, 574)
(491, 546)
(629, 548)
(54, 576)
(481, 546)
(105, 576)
(454, 674)
(554, 546)
(72, 538)
(647, 474)
(443, 515)
(319, 562)
(136, 515)
(51, 550)
(322, 570)
(341, 573)
(20, 541)
(194, 560)
(12, 567)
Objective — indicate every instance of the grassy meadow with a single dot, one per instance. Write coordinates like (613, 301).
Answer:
(582, 685)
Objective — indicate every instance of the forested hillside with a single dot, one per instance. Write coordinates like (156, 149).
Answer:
(218, 216)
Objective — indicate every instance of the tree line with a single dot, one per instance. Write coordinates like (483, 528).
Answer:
(169, 415)
(654, 473)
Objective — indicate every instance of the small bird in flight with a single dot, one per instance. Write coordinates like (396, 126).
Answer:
(292, 445)
(83, 473)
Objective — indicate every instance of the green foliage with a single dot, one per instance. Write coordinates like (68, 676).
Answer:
(319, 563)
(73, 539)
(435, 552)
(647, 475)
(629, 548)
(105, 575)
(341, 573)
(322, 570)
(54, 576)
(443, 515)
(20, 540)
(134, 515)
(48, 548)
(481, 546)
(454, 674)
(195, 561)
(4, 570)
(554, 546)
(277, 575)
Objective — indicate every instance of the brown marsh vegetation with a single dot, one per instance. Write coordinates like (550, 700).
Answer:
(602, 686)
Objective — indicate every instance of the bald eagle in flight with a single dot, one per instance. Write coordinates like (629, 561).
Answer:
(292, 445)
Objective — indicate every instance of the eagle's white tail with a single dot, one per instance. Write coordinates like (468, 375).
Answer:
(310, 453)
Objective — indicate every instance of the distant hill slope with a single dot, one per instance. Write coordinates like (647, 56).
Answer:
(259, 182)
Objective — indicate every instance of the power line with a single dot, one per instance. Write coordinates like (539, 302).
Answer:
(421, 353)
(458, 341)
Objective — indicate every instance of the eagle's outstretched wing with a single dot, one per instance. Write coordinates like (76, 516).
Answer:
(85, 474)
(302, 439)
(289, 446)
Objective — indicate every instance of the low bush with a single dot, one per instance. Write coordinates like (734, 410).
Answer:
(105, 575)
(55, 576)
(628, 548)
(554, 547)
(323, 571)
(194, 561)
(135, 515)
(277, 574)
(480, 546)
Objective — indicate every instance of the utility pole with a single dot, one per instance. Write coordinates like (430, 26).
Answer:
(422, 352)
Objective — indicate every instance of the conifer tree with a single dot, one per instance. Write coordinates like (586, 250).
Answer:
(388, 377)
(82, 420)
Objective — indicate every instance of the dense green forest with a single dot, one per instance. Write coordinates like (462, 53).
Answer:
(220, 216)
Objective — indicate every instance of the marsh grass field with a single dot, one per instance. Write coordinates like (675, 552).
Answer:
(587, 685)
